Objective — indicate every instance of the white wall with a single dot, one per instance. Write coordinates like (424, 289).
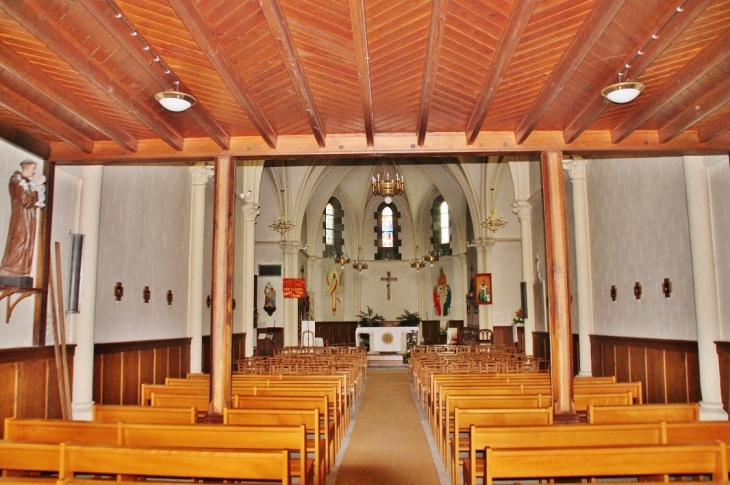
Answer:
(719, 179)
(145, 222)
(639, 232)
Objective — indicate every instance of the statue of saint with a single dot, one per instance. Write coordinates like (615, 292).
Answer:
(25, 195)
(269, 298)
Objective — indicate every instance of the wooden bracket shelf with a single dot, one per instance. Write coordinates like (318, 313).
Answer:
(23, 292)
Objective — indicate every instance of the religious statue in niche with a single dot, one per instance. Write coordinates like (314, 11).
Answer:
(269, 298)
(25, 196)
(334, 284)
(442, 295)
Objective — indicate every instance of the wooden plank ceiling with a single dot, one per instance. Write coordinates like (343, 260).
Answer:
(333, 78)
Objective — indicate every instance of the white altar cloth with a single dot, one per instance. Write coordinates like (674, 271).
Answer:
(386, 339)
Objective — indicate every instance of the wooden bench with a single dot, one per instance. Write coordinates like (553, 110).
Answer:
(643, 413)
(603, 461)
(20, 459)
(482, 435)
(309, 418)
(144, 414)
(56, 431)
(172, 464)
(698, 432)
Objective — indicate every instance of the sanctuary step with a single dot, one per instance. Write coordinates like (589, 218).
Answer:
(385, 359)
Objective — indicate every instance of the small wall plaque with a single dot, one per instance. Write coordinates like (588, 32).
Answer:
(613, 292)
(667, 287)
(207, 301)
(169, 297)
(637, 290)
(146, 294)
(118, 291)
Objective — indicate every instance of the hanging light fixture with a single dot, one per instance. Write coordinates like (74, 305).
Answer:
(360, 263)
(174, 100)
(342, 259)
(495, 221)
(622, 92)
(417, 263)
(431, 258)
(282, 225)
(385, 185)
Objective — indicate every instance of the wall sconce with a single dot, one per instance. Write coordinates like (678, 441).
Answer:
(637, 290)
(169, 297)
(118, 291)
(207, 301)
(146, 294)
(667, 287)
(613, 292)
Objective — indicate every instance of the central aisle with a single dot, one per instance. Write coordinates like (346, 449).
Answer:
(388, 444)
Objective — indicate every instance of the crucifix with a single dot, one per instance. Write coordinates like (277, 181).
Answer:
(388, 280)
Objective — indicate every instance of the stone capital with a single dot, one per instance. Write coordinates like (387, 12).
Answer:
(523, 209)
(576, 168)
(290, 247)
(201, 174)
(250, 210)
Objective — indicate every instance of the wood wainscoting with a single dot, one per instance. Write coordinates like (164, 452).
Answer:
(723, 353)
(238, 350)
(541, 348)
(668, 369)
(121, 368)
(336, 333)
(28, 383)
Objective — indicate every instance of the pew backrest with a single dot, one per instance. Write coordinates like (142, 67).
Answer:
(643, 413)
(56, 431)
(109, 413)
(29, 457)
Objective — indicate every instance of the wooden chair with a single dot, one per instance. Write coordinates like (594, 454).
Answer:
(486, 336)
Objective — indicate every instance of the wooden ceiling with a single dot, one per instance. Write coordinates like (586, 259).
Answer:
(334, 78)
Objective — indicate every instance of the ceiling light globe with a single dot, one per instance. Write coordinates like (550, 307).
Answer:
(623, 92)
(388, 200)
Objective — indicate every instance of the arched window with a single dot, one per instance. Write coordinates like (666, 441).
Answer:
(441, 226)
(387, 228)
(333, 228)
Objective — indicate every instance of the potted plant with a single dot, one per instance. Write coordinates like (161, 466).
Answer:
(518, 319)
(408, 319)
(370, 319)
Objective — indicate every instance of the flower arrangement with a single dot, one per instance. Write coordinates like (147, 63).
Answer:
(518, 318)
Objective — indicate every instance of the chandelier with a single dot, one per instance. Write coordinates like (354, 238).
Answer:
(282, 225)
(431, 258)
(342, 259)
(360, 263)
(495, 221)
(417, 263)
(386, 186)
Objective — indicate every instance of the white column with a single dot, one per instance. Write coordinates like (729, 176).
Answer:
(465, 286)
(523, 210)
(705, 287)
(484, 265)
(311, 260)
(250, 212)
(291, 268)
(199, 178)
(83, 372)
(577, 170)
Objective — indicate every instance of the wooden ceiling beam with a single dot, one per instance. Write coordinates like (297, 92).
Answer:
(106, 15)
(24, 140)
(672, 27)
(35, 20)
(710, 102)
(360, 39)
(522, 11)
(194, 20)
(283, 39)
(714, 129)
(50, 124)
(706, 60)
(591, 144)
(599, 18)
(430, 69)
(39, 81)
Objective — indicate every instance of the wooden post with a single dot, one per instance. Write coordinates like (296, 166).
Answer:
(43, 256)
(222, 292)
(559, 318)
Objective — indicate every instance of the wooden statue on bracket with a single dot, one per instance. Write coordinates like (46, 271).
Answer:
(25, 196)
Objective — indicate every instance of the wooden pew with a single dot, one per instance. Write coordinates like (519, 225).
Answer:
(292, 438)
(603, 461)
(482, 436)
(173, 464)
(56, 431)
(644, 413)
(698, 432)
(19, 459)
(144, 414)
(309, 418)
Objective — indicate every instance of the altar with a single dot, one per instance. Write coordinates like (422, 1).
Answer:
(386, 339)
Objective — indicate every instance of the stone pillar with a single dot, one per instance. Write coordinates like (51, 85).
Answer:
(465, 284)
(558, 288)
(199, 177)
(250, 212)
(576, 168)
(311, 260)
(84, 321)
(290, 305)
(705, 287)
(523, 210)
(484, 265)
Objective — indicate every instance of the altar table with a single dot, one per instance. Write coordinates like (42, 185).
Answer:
(386, 339)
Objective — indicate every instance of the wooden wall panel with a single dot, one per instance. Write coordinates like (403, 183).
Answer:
(622, 363)
(667, 369)
(723, 351)
(121, 368)
(238, 351)
(28, 382)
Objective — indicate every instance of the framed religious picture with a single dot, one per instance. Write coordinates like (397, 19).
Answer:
(483, 284)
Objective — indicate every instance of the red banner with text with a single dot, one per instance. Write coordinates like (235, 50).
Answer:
(295, 288)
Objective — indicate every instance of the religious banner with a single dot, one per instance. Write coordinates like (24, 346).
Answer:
(295, 288)
(484, 288)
